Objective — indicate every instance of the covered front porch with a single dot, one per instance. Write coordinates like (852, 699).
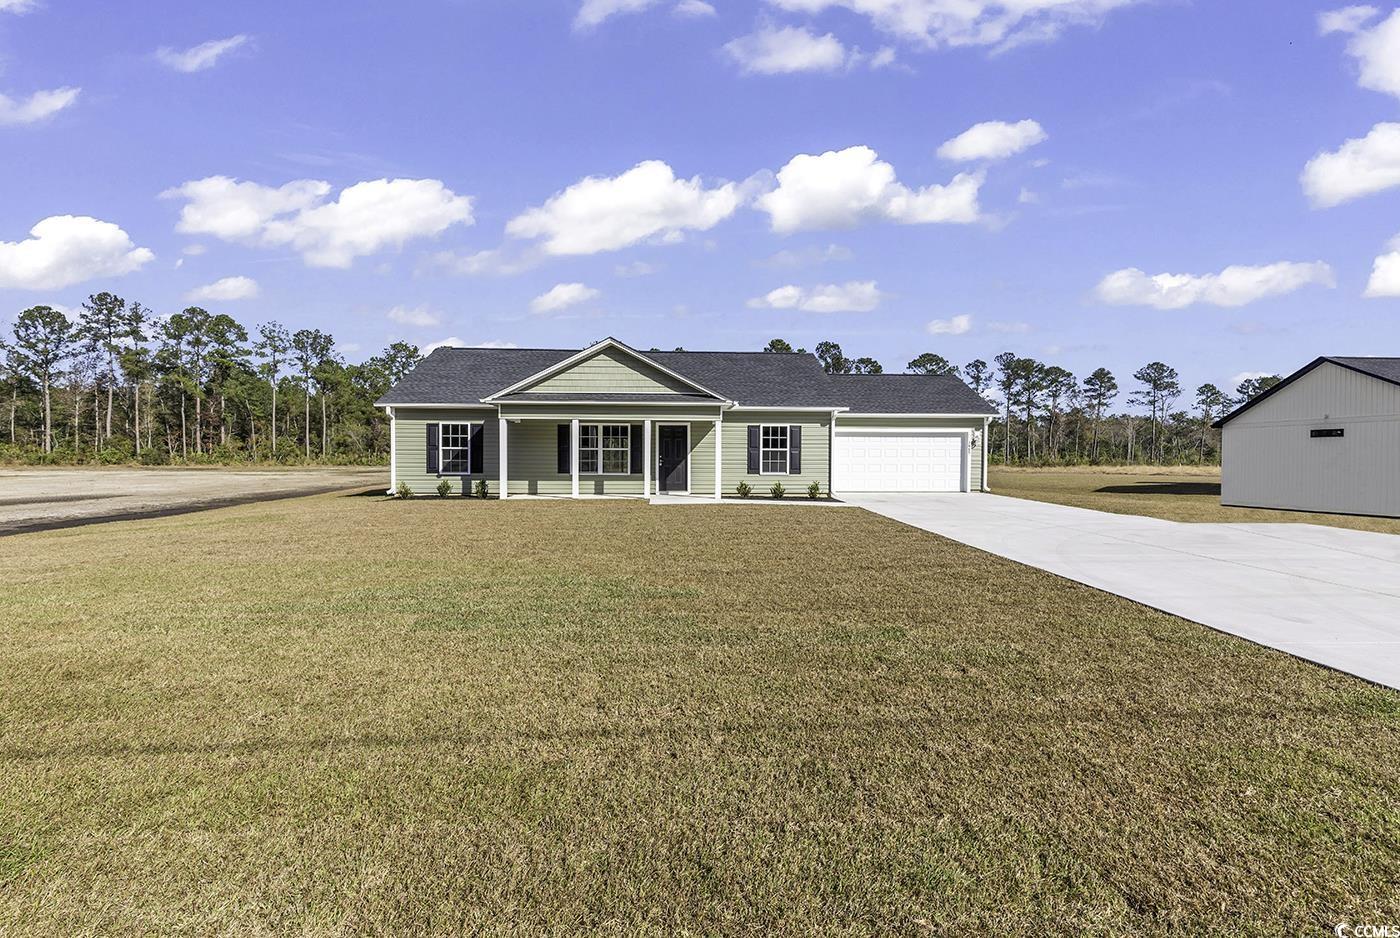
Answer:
(609, 451)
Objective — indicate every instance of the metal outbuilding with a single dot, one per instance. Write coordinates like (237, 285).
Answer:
(1326, 438)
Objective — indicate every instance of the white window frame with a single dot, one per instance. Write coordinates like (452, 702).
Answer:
(785, 449)
(465, 449)
(599, 449)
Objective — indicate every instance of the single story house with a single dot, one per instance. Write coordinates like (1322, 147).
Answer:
(1326, 438)
(612, 421)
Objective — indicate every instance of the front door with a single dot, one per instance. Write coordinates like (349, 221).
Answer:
(673, 442)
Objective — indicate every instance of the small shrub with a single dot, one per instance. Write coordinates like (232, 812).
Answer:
(744, 489)
(444, 488)
(403, 491)
(777, 490)
(814, 490)
(482, 489)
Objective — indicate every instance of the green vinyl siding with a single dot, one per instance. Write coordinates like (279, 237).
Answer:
(411, 447)
(846, 422)
(611, 372)
(816, 450)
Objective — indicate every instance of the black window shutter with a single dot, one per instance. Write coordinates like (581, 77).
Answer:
(794, 450)
(754, 432)
(432, 448)
(478, 464)
(636, 436)
(565, 466)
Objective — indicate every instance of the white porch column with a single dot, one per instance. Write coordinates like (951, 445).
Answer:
(393, 450)
(719, 458)
(831, 459)
(504, 475)
(646, 458)
(573, 454)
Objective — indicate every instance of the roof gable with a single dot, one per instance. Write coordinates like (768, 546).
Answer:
(592, 368)
(1382, 369)
(608, 371)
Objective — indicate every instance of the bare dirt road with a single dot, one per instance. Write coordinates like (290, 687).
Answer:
(45, 498)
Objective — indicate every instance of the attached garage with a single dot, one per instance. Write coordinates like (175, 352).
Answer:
(900, 460)
(1326, 438)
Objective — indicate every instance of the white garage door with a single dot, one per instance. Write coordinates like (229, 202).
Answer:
(899, 462)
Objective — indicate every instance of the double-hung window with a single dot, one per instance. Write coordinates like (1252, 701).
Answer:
(454, 444)
(604, 448)
(773, 451)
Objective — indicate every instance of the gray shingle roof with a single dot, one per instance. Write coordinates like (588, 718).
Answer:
(1387, 369)
(754, 379)
(908, 394)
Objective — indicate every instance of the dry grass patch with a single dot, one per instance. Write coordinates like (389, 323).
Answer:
(347, 714)
(1176, 493)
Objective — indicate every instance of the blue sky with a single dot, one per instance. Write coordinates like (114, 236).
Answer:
(1167, 138)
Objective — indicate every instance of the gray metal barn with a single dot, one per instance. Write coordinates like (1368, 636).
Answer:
(1326, 438)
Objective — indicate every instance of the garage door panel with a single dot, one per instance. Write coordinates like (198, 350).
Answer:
(904, 462)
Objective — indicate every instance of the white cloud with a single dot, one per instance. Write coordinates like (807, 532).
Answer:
(1385, 274)
(841, 189)
(365, 218)
(601, 213)
(693, 9)
(958, 325)
(450, 342)
(193, 250)
(198, 58)
(1009, 328)
(855, 296)
(36, 107)
(1027, 197)
(496, 262)
(224, 290)
(634, 269)
(808, 256)
(1234, 286)
(66, 249)
(784, 50)
(16, 6)
(1244, 376)
(414, 316)
(1361, 166)
(992, 140)
(493, 343)
(943, 23)
(593, 12)
(1345, 20)
(884, 57)
(1377, 54)
(562, 296)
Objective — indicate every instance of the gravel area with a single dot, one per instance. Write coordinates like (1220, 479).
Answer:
(42, 499)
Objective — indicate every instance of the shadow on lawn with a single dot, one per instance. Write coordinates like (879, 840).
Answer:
(1163, 488)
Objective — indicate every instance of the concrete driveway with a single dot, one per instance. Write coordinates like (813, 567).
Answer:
(1326, 594)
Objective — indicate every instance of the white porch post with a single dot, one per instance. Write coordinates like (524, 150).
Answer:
(573, 454)
(719, 457)
(503, 483)
(831, 459)
(646, 458)
(393, 451)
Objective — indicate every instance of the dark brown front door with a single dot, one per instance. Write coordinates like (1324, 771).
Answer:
(672, 443)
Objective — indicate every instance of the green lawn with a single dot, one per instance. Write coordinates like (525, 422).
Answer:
(1177, 493)
(344, 714)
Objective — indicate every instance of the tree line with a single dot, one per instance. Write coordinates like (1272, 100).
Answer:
(117, 383)
(1049, 416)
